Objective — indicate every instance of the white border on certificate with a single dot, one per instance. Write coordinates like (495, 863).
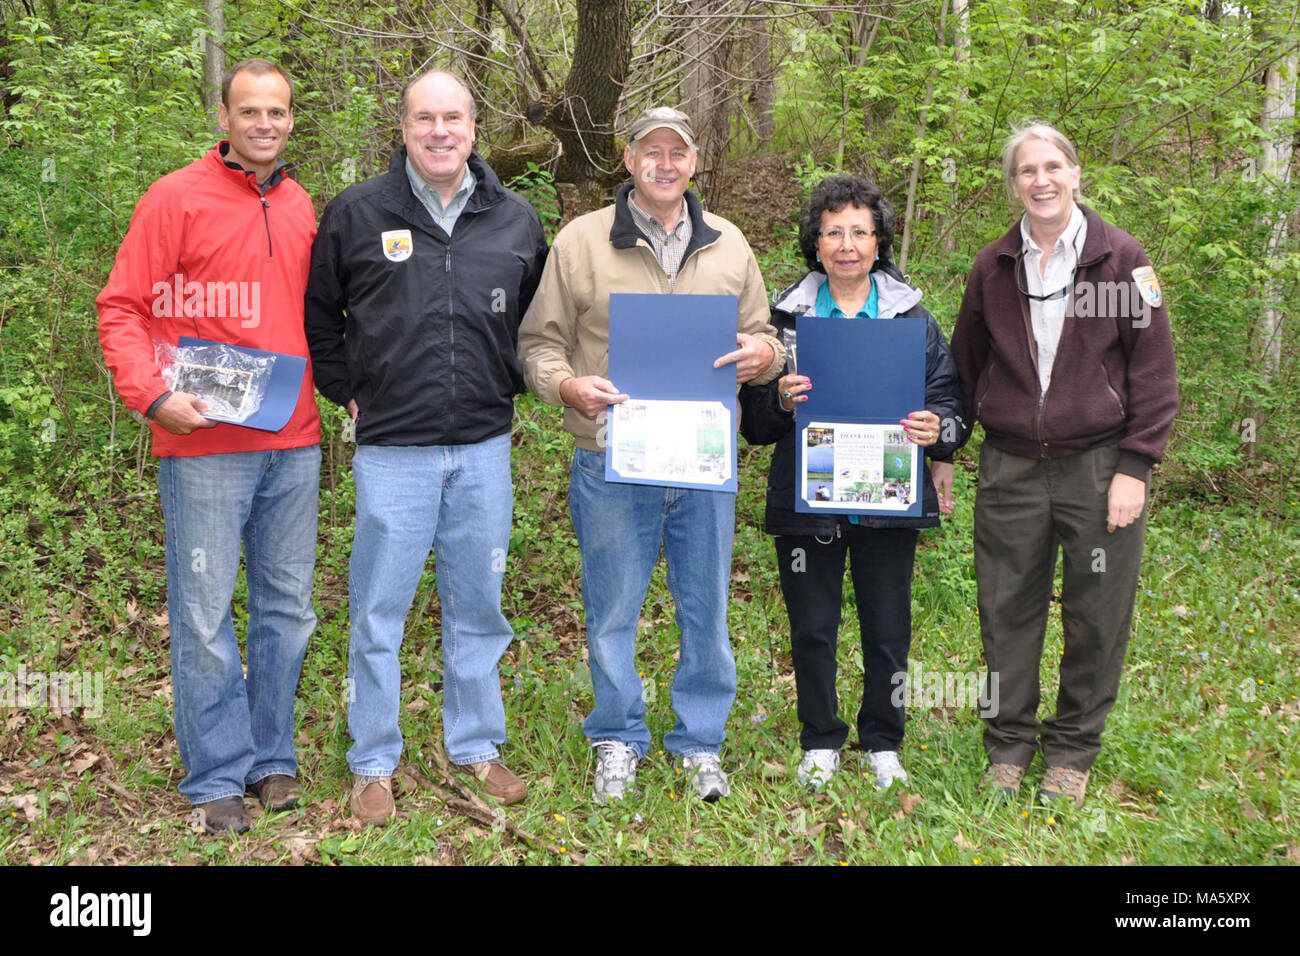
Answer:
(850, 467)
(671, 442)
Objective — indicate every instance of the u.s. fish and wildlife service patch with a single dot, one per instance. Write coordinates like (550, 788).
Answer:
(1148, 285)
(397, 245)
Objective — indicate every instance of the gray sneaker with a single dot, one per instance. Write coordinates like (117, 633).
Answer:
(887, 768)
(615, 770)
(707, 776)
(817, 767)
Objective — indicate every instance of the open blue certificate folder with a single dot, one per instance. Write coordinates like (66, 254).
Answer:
(678, 426)
(851, 455)
(282, 390)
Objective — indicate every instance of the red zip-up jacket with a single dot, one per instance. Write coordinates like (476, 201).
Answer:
(239, 260)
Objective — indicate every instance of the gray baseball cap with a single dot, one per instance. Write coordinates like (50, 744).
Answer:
(662, 117)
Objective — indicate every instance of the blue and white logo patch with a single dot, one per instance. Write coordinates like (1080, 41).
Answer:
(397, 245)
(1148, 285)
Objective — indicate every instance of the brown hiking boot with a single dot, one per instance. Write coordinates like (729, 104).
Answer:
(1064, 782)
(276, 792)
(1005, 777)
(223, 816)
(372, 799)
(498, 781)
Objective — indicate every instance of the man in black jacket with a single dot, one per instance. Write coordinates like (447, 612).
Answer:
(419, 279)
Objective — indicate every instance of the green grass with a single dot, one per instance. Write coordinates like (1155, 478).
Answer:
(1198, 764)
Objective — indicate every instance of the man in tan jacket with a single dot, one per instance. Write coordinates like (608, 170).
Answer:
(655, 238)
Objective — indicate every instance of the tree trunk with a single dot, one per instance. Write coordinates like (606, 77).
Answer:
(1279, 112)
(214, 58)
(706, 86)
(914, 180)
(582, 117)
(763, 84)
(480, 47)
(960, 56)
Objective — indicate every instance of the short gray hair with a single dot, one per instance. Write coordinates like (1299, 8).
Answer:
(1034, 130)
(406, 90)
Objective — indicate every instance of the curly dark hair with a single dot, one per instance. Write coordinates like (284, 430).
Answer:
(831, 195)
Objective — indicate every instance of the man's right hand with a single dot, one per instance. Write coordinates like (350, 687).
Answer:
(181, 413)
(352, 408)
(590, 394)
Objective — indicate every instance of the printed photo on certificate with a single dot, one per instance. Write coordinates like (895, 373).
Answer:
(858, 468)
(671, 442)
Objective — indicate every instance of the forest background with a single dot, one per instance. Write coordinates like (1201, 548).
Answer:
(1184, 117)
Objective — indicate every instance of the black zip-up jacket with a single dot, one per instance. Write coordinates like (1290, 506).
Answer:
(763, 420)
(420, 327)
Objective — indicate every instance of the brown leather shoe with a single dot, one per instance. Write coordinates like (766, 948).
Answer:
(1065, 782)
(498, 781)
(276, 792)
(372, 799)
(223, 816)
(1005, 777)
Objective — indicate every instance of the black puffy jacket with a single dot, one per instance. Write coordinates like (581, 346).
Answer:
(424, 340)
(763, 420)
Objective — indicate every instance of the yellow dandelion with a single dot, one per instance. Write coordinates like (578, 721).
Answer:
(558, 818)
(1160, 793)
(1051, 821)
(925, 746)
(844, 862)
(1025, 814)
(564, 849)
(977, 861)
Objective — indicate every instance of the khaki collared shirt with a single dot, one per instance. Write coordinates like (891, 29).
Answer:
(669, 247)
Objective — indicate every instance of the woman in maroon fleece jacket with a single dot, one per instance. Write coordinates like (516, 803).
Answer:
(1064, 355)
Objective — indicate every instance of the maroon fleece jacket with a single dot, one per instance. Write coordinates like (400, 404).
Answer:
(1113, 380)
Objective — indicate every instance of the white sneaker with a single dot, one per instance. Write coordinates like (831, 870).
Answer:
(817, 767)
(615, 770)
(887, 768)
(707, 775)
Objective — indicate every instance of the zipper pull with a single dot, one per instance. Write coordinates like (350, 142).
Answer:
(446, 263)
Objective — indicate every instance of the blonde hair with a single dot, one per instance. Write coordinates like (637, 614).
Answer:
(1021, 135)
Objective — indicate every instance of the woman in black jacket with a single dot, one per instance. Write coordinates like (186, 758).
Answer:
(846, 234)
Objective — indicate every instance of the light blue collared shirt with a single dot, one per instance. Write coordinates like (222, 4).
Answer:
(429, 198)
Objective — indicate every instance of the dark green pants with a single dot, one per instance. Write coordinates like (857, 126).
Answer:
(1025, 510)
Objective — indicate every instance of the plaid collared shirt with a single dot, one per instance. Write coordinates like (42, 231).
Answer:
(669, 247)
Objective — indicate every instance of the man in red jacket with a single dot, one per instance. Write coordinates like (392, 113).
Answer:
(219, 250)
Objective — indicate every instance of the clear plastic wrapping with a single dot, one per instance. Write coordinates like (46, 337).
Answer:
(791, 342)
(231, 381)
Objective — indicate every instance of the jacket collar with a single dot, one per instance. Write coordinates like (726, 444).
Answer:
(246, 177)
(1095, 247)
(894, 295)
(623, 234)
(398, 196)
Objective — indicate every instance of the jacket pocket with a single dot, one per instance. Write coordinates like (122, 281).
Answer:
(1119, 402)
(982, 387)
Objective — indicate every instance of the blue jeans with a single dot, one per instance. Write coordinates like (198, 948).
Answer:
(232, 730)
(457, 500)
(620, 528)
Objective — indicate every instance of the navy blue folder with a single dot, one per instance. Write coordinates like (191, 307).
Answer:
(662, 347)
(282, 390)
(863, 371)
